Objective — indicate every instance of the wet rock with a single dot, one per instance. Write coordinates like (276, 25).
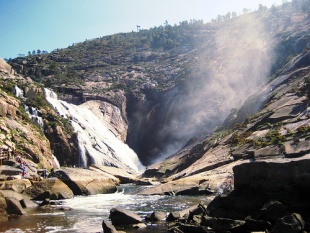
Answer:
(87, 182)
(120, 216)
(142, 182)
(292, 223)
(173, 216)
(156, 216)
(52, 188)
(108, 227)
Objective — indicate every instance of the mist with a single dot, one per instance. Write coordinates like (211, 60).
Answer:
(234, 62)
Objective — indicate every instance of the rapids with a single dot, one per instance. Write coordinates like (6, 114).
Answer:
(88, 212)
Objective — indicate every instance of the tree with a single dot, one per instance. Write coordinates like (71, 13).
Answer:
(29, 53)
(33, 52)
(38, 51)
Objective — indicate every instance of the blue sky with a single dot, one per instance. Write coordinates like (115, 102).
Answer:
(27, 25)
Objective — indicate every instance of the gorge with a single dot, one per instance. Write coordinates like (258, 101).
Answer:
(222, 113)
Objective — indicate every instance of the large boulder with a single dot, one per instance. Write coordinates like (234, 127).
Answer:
(119, 173)
(51, 188)
(14, 206)
(292, 223)
(120, 216)
(24, 200)
(18, 185)
(87, 182)
(3, 213)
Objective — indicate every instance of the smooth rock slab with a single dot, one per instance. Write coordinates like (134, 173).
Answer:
(86, 182)
(120, 216)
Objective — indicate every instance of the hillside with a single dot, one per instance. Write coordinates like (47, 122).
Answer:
(198, 72)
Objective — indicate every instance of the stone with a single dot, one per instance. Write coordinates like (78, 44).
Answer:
(14, 206)
(292, 223)
(173, 216)
(296, 149)
(120, 216)
(156, 216)
(139, 226)
(123, 176)
(272, 211)
(86, 182)
(52, 188)
(3, 207)
(253, 225)
(181, 227)
(223, 224)
(108, 227)
(17, 185)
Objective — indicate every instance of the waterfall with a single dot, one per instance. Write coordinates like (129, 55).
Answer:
(97, 144)
(18, 92)
(34, 115)
(56, 161)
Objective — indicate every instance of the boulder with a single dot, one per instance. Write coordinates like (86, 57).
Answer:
(108, 227)
(272, 211)
(292, 223)
(173, 216)
(293, 149)
(86, 182)
(52, 188)
(24, 200)
(181, 227)
(3, 213)
(123, 176)
(10, 171)
(253, 225)
(120, 216)
(14, 206)
(223, 224)
(18, 185)
(156, 216)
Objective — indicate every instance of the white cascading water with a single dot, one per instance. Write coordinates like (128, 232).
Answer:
(97, 144)
(32, 112)
(18, 92)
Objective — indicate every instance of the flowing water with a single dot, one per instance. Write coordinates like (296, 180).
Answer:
(88, 212)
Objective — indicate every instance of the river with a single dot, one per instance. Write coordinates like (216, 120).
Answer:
(88, 212)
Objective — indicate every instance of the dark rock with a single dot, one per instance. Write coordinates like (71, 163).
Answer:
(272, 211)
(257, 225)
(108, 227)
(223, 224)
(120, 216)
(14, 206)
(142, 182)
(156, 216)
(173, 216)
(291, 223)
(187, 228)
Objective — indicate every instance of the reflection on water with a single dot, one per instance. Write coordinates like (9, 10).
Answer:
(88, 211)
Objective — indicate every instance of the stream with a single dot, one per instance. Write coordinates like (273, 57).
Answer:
(88, 212)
